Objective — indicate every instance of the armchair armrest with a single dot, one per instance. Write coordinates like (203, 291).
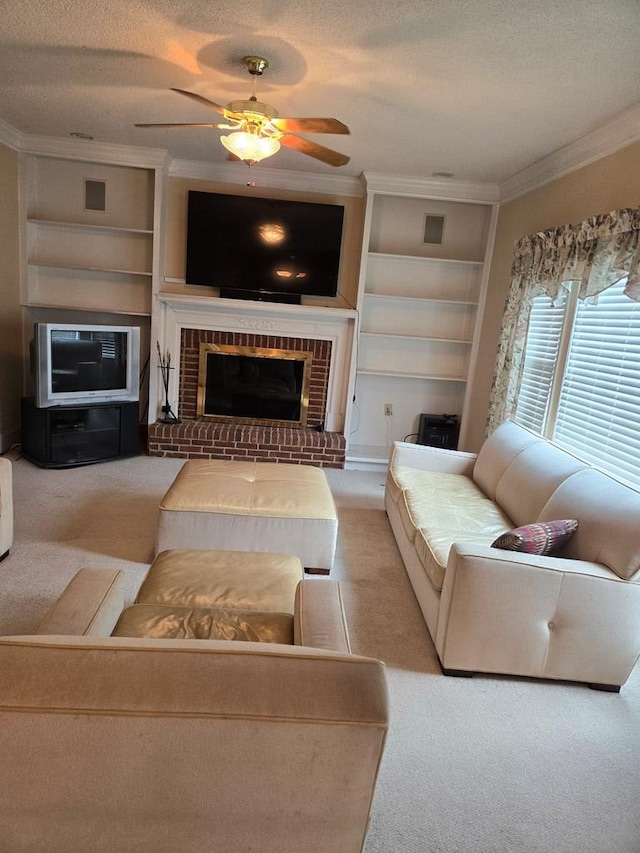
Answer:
(89, 605)
(426, 458)
(319, 620)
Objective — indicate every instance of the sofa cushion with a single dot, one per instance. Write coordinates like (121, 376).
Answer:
(531, 479)
(422, 490)
(204, 623)
(544, 538)
(609, 517)
(500, 449)
(438, 509)
(396, 475)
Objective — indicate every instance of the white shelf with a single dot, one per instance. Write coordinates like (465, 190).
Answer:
(400, 374)
(393, 256)
(417, 277)
(418, 318)
(83, 226)
(60, 306)
(87, 290)
(58, 266)
(425, 338)
(82, 268)
(419, 300)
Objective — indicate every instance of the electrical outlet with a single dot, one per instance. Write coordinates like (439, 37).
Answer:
(388, 410)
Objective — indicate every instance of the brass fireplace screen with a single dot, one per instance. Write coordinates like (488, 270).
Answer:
(254, 385)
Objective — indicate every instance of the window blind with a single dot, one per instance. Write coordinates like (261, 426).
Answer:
(598, 414)
(541, 356)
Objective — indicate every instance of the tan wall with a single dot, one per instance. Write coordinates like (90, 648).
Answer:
(608, 184)
(10, 316)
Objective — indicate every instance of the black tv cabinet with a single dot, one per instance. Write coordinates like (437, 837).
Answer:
(68, 436)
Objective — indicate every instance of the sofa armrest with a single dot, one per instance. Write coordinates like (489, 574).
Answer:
(6, 506)
(319, 620)
(89, 605)
(548, 617)
(426, 458)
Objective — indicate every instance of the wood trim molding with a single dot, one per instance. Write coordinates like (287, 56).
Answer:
(622, 131)
(238, 173)
(96, 152)
(446, 189)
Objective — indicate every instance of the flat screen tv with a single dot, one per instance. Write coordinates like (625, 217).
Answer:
(263, 248)
(74, 364)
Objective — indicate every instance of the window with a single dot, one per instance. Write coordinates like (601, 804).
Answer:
(581, 379)
(540, 361)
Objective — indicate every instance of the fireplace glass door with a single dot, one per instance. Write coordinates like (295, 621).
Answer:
(253, 385)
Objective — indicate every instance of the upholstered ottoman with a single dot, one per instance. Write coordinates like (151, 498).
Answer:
(251, 506)
(218, 595)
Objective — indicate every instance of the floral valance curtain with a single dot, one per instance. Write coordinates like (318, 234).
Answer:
(597, 252)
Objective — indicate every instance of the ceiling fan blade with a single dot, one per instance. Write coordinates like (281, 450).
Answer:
(309, 125)
(200, 99)
(179, 124)
(313, 149)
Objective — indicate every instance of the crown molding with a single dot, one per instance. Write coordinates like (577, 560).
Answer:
(81, 149)
(446, 189)
(622, 131)
(238, 173)
(96, 152)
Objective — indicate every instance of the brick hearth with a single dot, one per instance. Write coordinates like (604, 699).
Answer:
(205, 439)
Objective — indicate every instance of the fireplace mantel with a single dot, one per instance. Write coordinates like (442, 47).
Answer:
(178, 312)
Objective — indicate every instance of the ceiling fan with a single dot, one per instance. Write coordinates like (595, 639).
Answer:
(257, 129)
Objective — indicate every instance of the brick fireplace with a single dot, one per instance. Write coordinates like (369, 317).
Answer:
(325, 333)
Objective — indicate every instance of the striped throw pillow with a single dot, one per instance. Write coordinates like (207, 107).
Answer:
(543, 538)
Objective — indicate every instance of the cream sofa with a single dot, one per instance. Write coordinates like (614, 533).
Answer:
(6, 507)
(574, 616)
(158, 745)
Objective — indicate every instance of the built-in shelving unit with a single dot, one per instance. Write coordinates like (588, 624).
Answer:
(87, 259)
(419, 301)
(91, 239)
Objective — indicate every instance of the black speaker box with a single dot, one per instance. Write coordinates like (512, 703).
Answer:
(439, 431)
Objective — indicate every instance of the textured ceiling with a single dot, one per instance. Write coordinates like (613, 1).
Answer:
(480, 88)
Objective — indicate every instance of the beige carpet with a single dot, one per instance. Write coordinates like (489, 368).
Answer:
(484, 765)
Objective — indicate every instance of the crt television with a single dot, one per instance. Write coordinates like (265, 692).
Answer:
(75, 364)
(254, 247)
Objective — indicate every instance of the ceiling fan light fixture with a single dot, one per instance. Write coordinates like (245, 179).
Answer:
(257, 129)
(250, 147)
